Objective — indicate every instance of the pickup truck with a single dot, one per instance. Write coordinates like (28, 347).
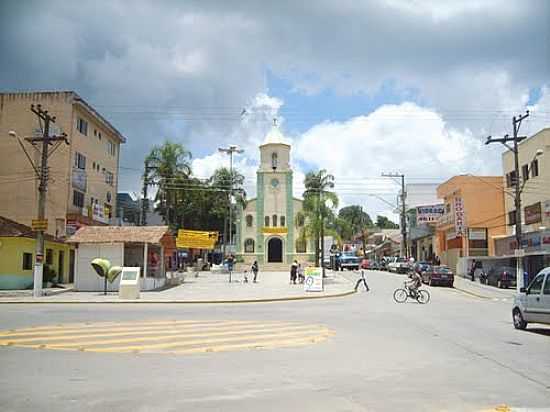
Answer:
(348, 260)
(399, 265)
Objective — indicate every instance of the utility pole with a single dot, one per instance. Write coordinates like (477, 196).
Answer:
(145, 200)
(42, 174)
(230, 150)
(403, 225)
(516, 123)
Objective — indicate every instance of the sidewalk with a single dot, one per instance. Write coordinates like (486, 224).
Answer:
(483, 291)
(210, 288)
(28, 292)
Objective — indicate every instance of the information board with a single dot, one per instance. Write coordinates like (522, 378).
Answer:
(314, 280)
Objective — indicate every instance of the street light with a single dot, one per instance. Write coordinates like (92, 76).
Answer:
(230, 150)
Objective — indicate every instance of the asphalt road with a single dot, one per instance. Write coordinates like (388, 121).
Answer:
(458, 353)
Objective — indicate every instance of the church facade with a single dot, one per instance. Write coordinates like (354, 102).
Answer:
(269, 227)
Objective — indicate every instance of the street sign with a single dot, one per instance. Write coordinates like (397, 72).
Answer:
(314, 280)
(196, 239)
(38, 224)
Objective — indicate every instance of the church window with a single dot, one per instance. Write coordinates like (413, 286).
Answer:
(274, 160)
(274, 220)
(249, 246)
(266, 221)
(283, 221)
(249, 220)
(300, 246)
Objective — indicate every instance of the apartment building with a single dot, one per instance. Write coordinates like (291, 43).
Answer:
(534, 181)
(474, 216)
(83, 175)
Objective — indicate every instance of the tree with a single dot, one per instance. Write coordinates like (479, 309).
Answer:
(170, 169)
(357, 222)
(315, 211)
(384, 223)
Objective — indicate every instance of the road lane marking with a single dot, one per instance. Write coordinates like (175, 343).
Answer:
(170, 336)
(127, 331)
(180, 337)
(114, 326)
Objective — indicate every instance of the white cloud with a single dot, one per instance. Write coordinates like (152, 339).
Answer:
(407, 138)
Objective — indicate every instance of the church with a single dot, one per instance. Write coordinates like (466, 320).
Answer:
(269, 228)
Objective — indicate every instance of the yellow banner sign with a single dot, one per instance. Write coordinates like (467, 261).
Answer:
(278, 230)
(196, 239)
(39, 224)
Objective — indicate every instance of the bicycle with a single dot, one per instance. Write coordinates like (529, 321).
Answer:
(402, 294)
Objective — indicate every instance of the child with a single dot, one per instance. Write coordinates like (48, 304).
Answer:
(301, 276)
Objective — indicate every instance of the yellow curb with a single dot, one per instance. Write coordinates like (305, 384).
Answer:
(116, 302)
(472, 293)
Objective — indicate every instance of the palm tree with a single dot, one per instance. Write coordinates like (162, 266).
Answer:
(168, 167)
(315, 209)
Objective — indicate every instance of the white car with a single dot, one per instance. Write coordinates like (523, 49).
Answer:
(533, 303)
(399, 265)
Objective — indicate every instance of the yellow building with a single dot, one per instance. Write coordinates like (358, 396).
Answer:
(83, 175)
(474, 216)
(17, 252)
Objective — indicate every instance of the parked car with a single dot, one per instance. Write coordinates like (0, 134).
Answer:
(501, 277)
(532, 304)
(370, 264)
(400, 265)
(348, 260)
(438, 275)
(421, 266)
(373, 265)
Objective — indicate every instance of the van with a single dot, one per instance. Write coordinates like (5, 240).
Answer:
(532, 304)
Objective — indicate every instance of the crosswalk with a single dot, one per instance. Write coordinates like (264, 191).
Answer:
(167, 336)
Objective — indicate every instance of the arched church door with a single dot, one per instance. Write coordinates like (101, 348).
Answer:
(275, 250)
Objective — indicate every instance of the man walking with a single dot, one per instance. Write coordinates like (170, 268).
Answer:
(362, 280)
(255, 270)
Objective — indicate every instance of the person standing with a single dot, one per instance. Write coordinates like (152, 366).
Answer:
(301, 276)
(255, 270)
(293, 271)
(363, 281)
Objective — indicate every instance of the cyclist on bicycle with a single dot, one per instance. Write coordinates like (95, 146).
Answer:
(415, 283)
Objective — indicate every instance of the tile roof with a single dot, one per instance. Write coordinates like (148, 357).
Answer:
(119, 234)
(10, 228)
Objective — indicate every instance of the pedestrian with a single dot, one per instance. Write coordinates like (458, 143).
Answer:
(293, 271)
(301, 276)
(255, 269)
(362, 280)
(473, 270)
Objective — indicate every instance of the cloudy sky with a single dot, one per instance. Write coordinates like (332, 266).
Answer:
(359, 87)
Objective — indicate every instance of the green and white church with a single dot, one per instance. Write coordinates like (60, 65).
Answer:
(268, 229)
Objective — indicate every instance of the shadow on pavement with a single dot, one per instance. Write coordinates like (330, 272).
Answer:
(539, 331)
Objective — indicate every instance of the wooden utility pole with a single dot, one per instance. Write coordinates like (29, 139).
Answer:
(515, 139)
(40, 225)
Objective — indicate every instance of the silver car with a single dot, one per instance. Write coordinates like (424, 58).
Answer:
(533, 303)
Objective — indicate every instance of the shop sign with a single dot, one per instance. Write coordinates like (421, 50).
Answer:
(429, 214)
(459, 215)
(533, 213)
(313, 280)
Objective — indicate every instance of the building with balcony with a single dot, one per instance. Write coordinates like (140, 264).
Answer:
(473, 217)
(83, 176)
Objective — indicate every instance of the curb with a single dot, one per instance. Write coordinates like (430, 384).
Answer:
(188, 302)
(472, 293)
